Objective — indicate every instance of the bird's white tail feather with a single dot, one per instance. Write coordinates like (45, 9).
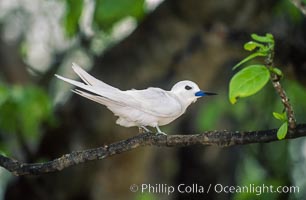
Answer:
(104, 95)
(99, 99)
(79, 84)
(90, 80)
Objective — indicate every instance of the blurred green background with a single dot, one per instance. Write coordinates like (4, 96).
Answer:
(136, 44)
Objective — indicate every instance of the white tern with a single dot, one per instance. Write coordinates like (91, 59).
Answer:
(149, 107)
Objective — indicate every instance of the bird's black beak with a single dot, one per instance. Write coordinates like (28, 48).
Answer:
(202, 93)
(210, 93)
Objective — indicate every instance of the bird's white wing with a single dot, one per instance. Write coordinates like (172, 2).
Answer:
(155, 101)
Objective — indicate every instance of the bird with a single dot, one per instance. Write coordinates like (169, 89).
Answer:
(153, 107)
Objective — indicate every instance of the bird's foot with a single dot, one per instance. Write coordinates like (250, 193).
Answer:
(161, 133)
(143, 129)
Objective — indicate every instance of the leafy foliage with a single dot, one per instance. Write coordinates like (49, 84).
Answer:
(73, 13)
(261, 49)
(282, 131)
(23, 109)
(253, 78)
(108, 12)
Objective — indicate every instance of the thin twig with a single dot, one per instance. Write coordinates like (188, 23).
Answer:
(285, 100)
(219, 138)
(275, 79)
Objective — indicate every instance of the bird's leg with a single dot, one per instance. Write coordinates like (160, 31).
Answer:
(143, 129)
(159, 132)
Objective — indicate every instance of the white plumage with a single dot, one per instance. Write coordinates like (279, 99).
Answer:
(149, 107)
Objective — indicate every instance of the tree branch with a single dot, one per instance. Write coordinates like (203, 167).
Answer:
(300, 5)
(218, 138)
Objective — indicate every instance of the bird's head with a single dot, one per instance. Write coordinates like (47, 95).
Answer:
(189, 91)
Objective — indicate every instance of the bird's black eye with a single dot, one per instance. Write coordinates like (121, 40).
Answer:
(187, 87)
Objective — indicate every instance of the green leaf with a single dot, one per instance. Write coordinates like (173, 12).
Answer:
(282, 131)
(250, 57)
(34, 109)
(277, 71)
(108, 12)
(248, 81)
(280, 116)
(8, 116)
(4, 94)
(250, 46)
(24, 110)
(268, 38)
(73, 13)
(269, 35)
